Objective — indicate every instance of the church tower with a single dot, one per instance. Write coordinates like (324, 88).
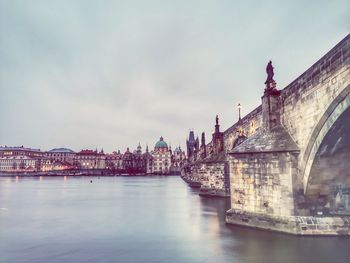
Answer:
(191, 144)
(203, 147)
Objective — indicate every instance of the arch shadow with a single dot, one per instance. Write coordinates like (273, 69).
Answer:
(332, 113)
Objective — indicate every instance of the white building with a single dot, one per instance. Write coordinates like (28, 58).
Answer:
(62, 155)
(17, 163)
(161, 158)
(89, 159)
(21, 159)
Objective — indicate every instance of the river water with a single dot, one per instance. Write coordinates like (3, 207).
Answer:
(138, 220)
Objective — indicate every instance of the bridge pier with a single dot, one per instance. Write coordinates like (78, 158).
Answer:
(295, 225)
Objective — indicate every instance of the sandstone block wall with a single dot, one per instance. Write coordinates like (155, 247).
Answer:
(306, 99)
(262, 183)
(214, 177)
(249, 124)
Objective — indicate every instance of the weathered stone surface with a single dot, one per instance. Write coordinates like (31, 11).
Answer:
(211, 174)
(262, 182)
(247, 126)
(271, 150)
(269, 171)
(296, 225)
(276, 140)
(216, 177)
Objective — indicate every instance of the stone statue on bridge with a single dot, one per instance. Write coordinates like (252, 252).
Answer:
(270, 73)
(270, 83)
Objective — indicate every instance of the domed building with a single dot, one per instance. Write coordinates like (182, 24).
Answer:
(161, 146)
(161, 158)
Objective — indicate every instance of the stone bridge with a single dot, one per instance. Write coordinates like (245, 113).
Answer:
(293, 165)
(289, 159)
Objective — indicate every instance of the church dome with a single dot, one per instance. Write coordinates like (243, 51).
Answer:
(161, 144)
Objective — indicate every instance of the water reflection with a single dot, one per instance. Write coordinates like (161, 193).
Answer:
(138, 219)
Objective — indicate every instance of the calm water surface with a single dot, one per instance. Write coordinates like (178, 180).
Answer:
(136, 219)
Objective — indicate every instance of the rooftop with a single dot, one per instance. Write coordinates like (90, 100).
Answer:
(161, 144)
(17, 148)
(61, 150)
(277, 140)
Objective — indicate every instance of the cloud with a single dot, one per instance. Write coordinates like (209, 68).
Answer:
(86, 74)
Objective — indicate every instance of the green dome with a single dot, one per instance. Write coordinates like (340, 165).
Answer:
(161, 144)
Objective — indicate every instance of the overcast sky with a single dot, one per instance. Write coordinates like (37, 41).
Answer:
(111, 74)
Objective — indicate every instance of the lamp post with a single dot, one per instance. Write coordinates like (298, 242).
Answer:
(239, 111)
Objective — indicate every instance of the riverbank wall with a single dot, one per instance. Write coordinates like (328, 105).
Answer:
(90, 172)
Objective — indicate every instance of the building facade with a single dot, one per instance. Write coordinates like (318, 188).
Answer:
(159, 161)
(89, 159)
(161, 158)
(22, 159)
(114, 161)
(63, 155)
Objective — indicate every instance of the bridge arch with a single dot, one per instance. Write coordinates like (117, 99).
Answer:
(339, 105)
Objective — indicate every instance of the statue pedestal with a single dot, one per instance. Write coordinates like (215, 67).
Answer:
(270, 89)
(271, 105)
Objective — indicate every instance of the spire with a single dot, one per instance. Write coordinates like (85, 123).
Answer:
(139, 151)
(191, 143)
(203, 139)
(203, 146)
(191, 136)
